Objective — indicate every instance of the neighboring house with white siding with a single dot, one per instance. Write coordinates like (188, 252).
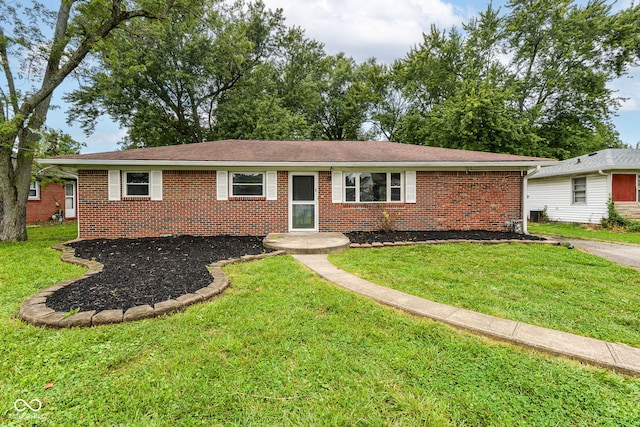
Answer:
(578, 189)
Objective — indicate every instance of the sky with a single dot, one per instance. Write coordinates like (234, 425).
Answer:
(383, 29)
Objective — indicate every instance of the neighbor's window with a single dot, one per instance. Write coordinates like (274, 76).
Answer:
(34, 191)
(579, 190)
(247, 184)
(373, 187)
(136, 184)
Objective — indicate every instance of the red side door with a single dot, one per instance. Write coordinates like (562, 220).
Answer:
(624, 187)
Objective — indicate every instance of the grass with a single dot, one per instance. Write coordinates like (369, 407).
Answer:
(579, 231)
(283, 347)
(26, 267)
(544, 285)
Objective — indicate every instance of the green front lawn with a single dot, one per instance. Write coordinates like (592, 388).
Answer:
(548, 286)
(579, 231)
(282, 347)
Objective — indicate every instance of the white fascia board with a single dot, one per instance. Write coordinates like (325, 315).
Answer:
(187, 164)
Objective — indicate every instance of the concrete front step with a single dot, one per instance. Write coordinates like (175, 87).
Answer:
(307, 242)
(628, 210)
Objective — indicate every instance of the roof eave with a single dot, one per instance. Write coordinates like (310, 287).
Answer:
(95, 163)
(608, 169)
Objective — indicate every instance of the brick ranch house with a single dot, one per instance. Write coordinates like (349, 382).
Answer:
(242, 187)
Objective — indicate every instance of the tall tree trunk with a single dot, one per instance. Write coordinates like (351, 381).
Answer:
(16, 161)
(14, 186)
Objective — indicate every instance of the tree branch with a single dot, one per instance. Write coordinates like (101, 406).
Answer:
(57, 77)
(13, 97)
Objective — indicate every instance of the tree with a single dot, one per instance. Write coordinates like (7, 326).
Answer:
(345, 98)
(164, 82)
(78, 27)
(274, 100)
(563, 57)
(254, 110)
(530, 81)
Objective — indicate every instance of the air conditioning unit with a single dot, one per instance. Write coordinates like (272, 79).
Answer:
(536, 216)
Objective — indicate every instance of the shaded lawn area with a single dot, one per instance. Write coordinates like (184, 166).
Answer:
(543, 285)
(579, 231)
(283, 347)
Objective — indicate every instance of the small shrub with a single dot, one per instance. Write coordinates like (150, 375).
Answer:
(387, 220)
(615, 221)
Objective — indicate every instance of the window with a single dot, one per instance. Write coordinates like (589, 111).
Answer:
(137, 184)
(34, 191)
(247, 184)
(372, 187)
(579, 190)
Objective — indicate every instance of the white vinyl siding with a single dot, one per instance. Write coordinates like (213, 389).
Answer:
(556, 194)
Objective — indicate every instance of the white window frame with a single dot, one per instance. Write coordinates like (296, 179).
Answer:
(357, 174)
(125, 185)
(35, 185)
(575, 192)
(262, 185)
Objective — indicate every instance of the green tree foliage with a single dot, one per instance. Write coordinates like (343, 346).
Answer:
(345, 98)
(164, 82)
(45, 47)
(530, 81)
(274, 101)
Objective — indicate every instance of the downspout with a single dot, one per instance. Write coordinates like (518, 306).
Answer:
(525, 184)
(600, 172)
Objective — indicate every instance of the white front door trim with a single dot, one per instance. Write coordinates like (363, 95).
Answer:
(293, 203)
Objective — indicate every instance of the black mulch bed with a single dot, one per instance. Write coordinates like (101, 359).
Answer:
(420, 236)
(151, 270)
(147, 271)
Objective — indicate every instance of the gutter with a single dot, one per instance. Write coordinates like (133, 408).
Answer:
(323, 165)
(525, 186)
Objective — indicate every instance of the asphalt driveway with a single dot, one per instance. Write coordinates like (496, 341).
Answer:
(622, 253)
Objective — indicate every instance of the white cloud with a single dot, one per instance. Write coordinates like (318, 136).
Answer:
(105, 138)
(384, 29)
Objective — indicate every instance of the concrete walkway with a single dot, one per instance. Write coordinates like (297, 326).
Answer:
(618, 357)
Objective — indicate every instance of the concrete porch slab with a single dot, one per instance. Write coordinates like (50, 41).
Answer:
(307, 242)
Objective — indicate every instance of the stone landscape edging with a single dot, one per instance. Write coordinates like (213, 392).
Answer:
(442, 242)
(34, 310)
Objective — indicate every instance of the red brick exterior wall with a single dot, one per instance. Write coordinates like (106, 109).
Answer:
(445, 201)
(42, 210)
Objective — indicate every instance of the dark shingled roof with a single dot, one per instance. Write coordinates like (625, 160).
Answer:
(301, 151)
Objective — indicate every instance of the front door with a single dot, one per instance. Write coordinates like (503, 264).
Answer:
(69, 200)
(624, 187)
(303, 202)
